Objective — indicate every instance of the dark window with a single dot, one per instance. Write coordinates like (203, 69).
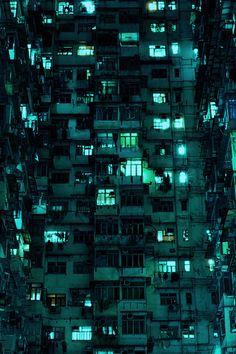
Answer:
(57, 267)
(189, 298)
(163, 149)
(177, 73)
(83, 236)
(184, 204)
(133, 324)
(107, 18)
(126, 16)
(168, 299)
(82, 267)
(61, 150)
(131, 199)
(159, 73)
(160, 205)
(67, 27)
(107, 227)
(132, 226)
(132, 260)
(107, 293)
(42, 169)
(107, 258)
(168, 332)
(133, 292)
(56, 300)
(62, 177)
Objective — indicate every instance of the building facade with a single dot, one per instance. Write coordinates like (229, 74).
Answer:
(117, 165)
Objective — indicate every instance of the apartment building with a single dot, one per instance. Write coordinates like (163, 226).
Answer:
(117, 207)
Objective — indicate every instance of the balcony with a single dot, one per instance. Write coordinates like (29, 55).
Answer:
(69, 108)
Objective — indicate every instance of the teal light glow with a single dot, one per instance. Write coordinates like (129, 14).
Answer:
(183, 177)
(89, 5)
(181, 149)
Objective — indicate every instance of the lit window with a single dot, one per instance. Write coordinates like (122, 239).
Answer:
(160, 5)
(175, 48)
(47, 62)
(105, 140)
(47, 19)
(178, 123)
(129, 38)
(55, 333)
(104, 352)
(172, 5)
(195, 52)
(85, 150)
(13, 7)
(187, 266)
(35, 292)
(157, 51)
(131, 168)
(185, 235)
(106, 197)
(84, 50)
(183, 177)
(65, 51)
(152, 6)
(56, 236)
(181, 149)
(65, 8)
(88, 6)
(82, 333)
(158, 27)
(211, 264)
(128, 140)
(165, 235)
(161, 123)
(173, 27)
(167, 266)
(159, 97)
(188, 331)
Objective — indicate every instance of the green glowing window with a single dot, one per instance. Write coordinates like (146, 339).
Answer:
(86, 150)
(157, 51)
(47, 62)
(160, 5)
(175, 48)
(167, 235)
(65, 8)
(56, 236)
(178, 122)
(55, 333)
(181, 149)
(152, 6)
(104, 352)
(173, 27)
(188, 331)
(183, 177)
(108, 87)
(131, 168)
(158, 27)
(128, 140)
(13, 7)
(106, 197)
(187, 266)
(161, 123)
(159, 97)
(81, 333)
(35, 292)
(172, 5)
(47, 19)
(128, 38)
(85, 50)
(88, 6)
(167, 266)
(65, 51)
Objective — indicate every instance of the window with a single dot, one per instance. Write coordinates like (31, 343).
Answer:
(35, 292)
(166, 235)
(163, 149)
(131, 167)
(82, 267)
(132, 226)
(55, 333)
(161, 123)
(159, 97)
(129, 140)
(84, 50)
(185, 235)
(172, 5)
(188, 330)
(159, 73)
(105, 140)
(42, 169)
(178, 122)
(85, 97)
(158, 27)
(107, 18)
(80, 297)
(87, 7)
(57, 267)
(56, 236)
(13, 7)
(81, 333)
(187, 266)
(133, 324)
(108, 88)
(106, 113)
(133, 260)
(167, 266)
(181, 149)
(63, 97)
(129, 198)
(65, 50)
(83, 236)
(57, 209)
(160, 5)
(56, 300)
(107, 258)
(177, 73)
(184, 204)
(177, 96)
(152, 6)
(106, 197)
(188, 298)
(85, 150)
(108, 291)
(157, 51)
(61, 150)
(107, 227)
(129, 39)
(161, 205)
(135, 291)
(168, 299)
(183, 177)
(168, 332)
(47, 62)
(65, 8)
(47, 19)
(67, 27)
